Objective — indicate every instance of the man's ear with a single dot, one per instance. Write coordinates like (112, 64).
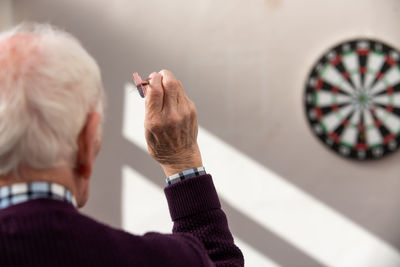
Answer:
(88, 146)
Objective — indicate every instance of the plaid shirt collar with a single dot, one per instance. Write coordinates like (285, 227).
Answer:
(21, 192)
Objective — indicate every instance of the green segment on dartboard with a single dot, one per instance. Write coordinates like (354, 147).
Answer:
(348, 53)
(375, 145)
(378, 53)
(339, 115)
(371, 71)
(323, 71)
(386, 82)
(346, 144)
(324, 127)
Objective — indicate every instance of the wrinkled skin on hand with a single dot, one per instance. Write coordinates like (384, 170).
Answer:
(171, 124)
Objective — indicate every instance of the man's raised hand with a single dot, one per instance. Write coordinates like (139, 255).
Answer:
(171, 124)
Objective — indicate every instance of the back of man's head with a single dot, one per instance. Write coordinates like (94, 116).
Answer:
(48, 85)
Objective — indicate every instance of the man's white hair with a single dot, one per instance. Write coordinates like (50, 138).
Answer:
(48, 86)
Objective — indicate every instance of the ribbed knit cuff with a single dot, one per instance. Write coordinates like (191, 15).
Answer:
(192, 196)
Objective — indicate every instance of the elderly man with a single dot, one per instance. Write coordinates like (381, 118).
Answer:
(51, 109)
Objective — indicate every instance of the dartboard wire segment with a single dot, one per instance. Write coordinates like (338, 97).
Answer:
(352, 99)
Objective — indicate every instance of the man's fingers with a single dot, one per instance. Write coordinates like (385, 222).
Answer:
(173, 88)
(168, 77)
(155, 93)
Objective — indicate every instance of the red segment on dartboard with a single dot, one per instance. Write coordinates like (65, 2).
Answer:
(389, 108)
(335, 107)
(336, 60)
(390, 61)
(361, 127)
(388, 138)
(378, 123)
(390, 91)
(363, 52)
(335, 137)
(379, 75)
(335, 90)
(363, 69)
(319, 84)
(346, 75)
(345, 123)
(361, 146)
(318, 112)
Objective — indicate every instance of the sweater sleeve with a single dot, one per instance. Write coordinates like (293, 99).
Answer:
(195, 209)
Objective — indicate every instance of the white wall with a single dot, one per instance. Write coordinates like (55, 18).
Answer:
(5, 13)
(244, 63)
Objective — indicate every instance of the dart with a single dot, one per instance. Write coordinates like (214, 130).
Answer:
(140, 84)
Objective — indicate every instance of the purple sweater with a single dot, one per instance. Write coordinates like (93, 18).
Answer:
(46, 232)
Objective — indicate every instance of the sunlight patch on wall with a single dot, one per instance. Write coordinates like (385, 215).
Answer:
(252, 257)
(133, 120)
(144, 206)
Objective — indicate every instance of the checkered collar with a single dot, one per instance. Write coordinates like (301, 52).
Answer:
(21, 192)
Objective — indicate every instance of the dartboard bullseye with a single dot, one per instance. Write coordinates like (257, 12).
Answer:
(352, 99)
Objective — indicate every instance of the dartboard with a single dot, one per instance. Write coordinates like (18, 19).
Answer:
(352, 99)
